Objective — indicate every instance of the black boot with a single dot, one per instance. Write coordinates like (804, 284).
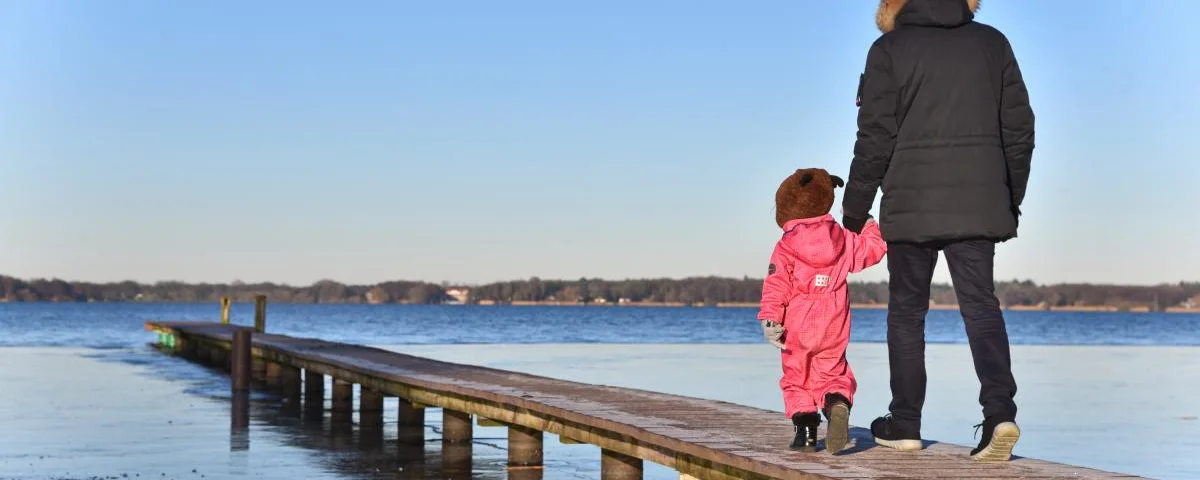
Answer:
(806, 431)
(1000, 435)
(837, 413)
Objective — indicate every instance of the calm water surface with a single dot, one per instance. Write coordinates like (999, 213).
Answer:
(82, 396)
(119, 325)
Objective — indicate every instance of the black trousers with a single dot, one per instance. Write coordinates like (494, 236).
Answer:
(910, 267)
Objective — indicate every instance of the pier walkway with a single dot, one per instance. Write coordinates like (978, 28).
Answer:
(702, 439)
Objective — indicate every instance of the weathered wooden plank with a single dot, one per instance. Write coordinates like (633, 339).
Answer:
(701, 438)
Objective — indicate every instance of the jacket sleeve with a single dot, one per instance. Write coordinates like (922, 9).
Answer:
(1016, 126)
(867, 248)
(877, 127)
(777, 286)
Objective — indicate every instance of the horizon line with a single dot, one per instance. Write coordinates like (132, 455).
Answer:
(449, 284)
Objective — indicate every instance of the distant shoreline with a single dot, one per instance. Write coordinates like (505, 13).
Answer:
(858, 306)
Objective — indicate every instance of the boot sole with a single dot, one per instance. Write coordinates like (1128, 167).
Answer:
(838, 433)
(1004, 438)
(906, 445)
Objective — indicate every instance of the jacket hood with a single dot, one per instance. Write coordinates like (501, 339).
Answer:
(926, 13)
(816, 241)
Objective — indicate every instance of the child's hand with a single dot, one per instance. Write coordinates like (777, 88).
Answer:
(773, 332)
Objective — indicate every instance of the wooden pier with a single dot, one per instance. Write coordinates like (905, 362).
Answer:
(702, 439)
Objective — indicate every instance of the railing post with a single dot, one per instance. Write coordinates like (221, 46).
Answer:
(239, 364)
(260, 313)
(225, 303)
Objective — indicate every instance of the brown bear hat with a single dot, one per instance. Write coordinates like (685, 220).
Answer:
(885, 16)
(807, 193)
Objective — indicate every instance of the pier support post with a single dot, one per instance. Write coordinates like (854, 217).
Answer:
(410, 423)
(456, 427)
(343, 396)
(524, 446)
(274, 374)
(289, 385)
(258, 368)
(618, 466)
(313, 389)
(225, 303)
(456, 460)
(370, 408)
(260, 313)
(240, 360)
(202, 356)
(220, 358)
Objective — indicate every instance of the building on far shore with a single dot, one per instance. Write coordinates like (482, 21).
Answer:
(459, 294)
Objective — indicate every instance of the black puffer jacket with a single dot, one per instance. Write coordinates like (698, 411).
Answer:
(944, 127)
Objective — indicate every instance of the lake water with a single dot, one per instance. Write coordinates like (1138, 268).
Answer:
(82, 396)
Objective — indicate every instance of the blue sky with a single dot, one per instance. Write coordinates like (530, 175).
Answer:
(471, 141)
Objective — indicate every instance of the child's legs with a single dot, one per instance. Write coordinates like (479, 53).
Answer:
(831, 373)
(796, 397)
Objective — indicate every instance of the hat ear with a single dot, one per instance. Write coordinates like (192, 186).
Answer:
(837, 181)
(805, 179)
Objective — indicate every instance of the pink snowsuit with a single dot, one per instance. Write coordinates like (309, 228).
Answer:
(806, 287)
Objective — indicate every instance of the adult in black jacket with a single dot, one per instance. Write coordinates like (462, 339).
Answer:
(946, 129)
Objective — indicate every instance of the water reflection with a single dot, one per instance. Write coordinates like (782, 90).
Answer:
(239, 430)
(353, 450)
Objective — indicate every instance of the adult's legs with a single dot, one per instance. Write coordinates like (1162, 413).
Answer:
(910, 270)
(971, 269)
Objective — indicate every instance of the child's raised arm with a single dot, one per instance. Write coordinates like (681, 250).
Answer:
(866, 248)
(777, 286)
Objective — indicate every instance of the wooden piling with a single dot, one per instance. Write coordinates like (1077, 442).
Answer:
(524, 446)
(258, 369)
(617, 466)
(225, 304)
(289, 386)
(314, 390)
(370, 408)
(343, 396)
(260, 313)
(456, 460)
(274, 375)
(240, 360)
(220, 358)
(410, 422)
(456, 427)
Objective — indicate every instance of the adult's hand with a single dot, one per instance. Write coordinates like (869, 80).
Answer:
(854, 224)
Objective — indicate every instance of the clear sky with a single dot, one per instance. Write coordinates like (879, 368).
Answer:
(472, 141)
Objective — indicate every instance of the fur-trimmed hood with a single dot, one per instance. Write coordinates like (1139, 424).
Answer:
(942, 13)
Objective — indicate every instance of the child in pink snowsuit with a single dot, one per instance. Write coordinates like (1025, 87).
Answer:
(805, 307)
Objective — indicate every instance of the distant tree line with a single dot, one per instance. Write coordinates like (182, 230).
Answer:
(687, 291)
(324, 291)
(718, 290)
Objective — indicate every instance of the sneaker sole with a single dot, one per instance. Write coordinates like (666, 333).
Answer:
(1004, 438)
(906, 445)
(838, 433)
